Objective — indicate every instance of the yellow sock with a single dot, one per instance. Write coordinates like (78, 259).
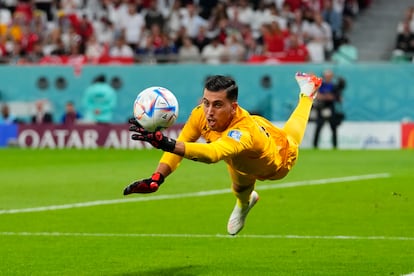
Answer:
(296, 124)
(243, 197)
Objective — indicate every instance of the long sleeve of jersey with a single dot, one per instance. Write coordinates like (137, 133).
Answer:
(189, 133)
(231, 143)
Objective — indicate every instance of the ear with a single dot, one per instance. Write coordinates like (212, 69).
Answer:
(234, 106)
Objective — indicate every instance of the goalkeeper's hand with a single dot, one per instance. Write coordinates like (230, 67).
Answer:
(157, 139)
(145, 186)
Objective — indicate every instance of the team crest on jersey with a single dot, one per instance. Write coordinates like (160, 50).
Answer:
(235, 134)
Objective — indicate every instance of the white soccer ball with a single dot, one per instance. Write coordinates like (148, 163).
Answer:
(156, 108)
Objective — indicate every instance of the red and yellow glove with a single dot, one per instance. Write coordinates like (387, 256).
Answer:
(145, 186)
(157, 139)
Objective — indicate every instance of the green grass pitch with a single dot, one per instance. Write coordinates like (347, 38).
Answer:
(341, 212)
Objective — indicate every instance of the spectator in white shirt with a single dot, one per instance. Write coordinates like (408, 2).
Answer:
(213, 53)
(121, 49)
(117, 10)
(104, 30)
(188, 52)
(93, 50)
(241, 12)
(133, 25)
(234, 49)
(173, 18)
(319, 39)
(192, 20)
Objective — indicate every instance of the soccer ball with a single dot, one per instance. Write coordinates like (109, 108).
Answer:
(156, 108)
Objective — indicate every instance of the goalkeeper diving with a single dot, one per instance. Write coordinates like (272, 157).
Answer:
(252, 147)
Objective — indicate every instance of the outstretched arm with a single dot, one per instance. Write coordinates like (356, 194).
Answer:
(207, 153)
(158, 140)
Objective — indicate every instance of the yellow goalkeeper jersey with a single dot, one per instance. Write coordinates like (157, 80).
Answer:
(251, 145)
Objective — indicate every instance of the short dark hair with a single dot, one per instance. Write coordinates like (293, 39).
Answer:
(218, 83)
(100, 78)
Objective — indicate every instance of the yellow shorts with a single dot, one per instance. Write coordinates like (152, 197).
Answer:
(289, 157)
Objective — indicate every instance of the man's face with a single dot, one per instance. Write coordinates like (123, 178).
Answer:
(328, 76)
(70, 108)
(39, 106)
(218, 109)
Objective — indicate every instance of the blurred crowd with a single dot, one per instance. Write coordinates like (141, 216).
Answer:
(156, 31)
(404, 44)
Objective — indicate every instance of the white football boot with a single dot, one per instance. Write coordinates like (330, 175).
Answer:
(239, 214)
(308, 84)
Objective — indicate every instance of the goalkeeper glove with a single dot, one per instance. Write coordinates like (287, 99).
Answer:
(157, 139)
(145, 186)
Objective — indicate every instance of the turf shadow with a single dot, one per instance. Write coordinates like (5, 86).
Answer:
(189, 270)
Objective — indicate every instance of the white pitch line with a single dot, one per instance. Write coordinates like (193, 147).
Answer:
(195, 194)
(149, 235)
